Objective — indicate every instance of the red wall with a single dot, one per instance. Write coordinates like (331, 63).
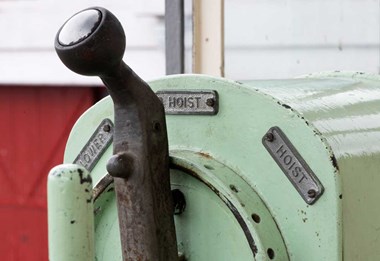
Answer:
(34, 126)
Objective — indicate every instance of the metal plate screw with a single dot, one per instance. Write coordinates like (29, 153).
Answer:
(107, 128)
(312, 193)
(269, 137)
(210, 102)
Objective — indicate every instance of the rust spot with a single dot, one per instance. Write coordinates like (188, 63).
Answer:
(101, 186)
(205, 155)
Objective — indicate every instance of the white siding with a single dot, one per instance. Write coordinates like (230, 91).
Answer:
(286, 38)
(28, 29)
(264, 38)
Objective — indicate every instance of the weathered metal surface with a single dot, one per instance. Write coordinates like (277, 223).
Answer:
(95, 147)
(293, 165)
(233, 137)
(332, 120)
(344, 111)
(217, 223)
(193, 172)
(70, 214)
(140, 161)
(196, 102)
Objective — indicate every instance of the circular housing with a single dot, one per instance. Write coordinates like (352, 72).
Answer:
(217, 222)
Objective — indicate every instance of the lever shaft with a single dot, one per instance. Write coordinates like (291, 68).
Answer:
(92, 42)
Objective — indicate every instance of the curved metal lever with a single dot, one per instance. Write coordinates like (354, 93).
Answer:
(92, 42)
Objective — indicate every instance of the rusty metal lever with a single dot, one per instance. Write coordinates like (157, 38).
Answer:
(92, 42)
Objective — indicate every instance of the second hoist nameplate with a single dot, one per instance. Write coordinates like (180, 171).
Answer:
(293, 165)
(189, 102)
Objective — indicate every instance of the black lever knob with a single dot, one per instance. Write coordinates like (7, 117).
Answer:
(92, 42)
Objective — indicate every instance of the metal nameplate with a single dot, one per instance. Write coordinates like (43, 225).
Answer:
(204, 102)
(293, 165)
(96, 145)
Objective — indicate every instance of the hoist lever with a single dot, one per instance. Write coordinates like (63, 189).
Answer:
(92, 42)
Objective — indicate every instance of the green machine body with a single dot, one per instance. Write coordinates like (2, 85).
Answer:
(262, 170)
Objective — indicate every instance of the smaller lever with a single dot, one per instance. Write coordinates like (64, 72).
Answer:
(92, 42)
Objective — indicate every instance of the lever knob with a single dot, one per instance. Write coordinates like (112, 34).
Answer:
(91, 42)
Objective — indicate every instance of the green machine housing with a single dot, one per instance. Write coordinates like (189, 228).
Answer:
(240, 203)
(263, 170)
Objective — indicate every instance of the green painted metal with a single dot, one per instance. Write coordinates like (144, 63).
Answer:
(345, 109)
(209, 185)
(70, 214)
(332, 120)
(218, 214)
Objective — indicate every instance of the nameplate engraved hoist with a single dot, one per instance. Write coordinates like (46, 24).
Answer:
(189, 102)
(293, 165)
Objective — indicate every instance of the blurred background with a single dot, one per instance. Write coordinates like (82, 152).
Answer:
(40, 99)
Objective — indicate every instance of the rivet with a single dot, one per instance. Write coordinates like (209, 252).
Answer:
(269, 137)
(107, 128)
(312, 193)
(210, 102)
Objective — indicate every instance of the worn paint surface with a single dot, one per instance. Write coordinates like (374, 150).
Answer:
(70, 214)
(345, 109)
(219, 212)
(233, 138)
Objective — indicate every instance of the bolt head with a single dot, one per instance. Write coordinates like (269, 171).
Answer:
(107, 128)
(312, 193)
(120, 165)
(210, 102)
(269, 137)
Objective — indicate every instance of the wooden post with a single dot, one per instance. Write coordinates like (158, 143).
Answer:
(208, 37)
